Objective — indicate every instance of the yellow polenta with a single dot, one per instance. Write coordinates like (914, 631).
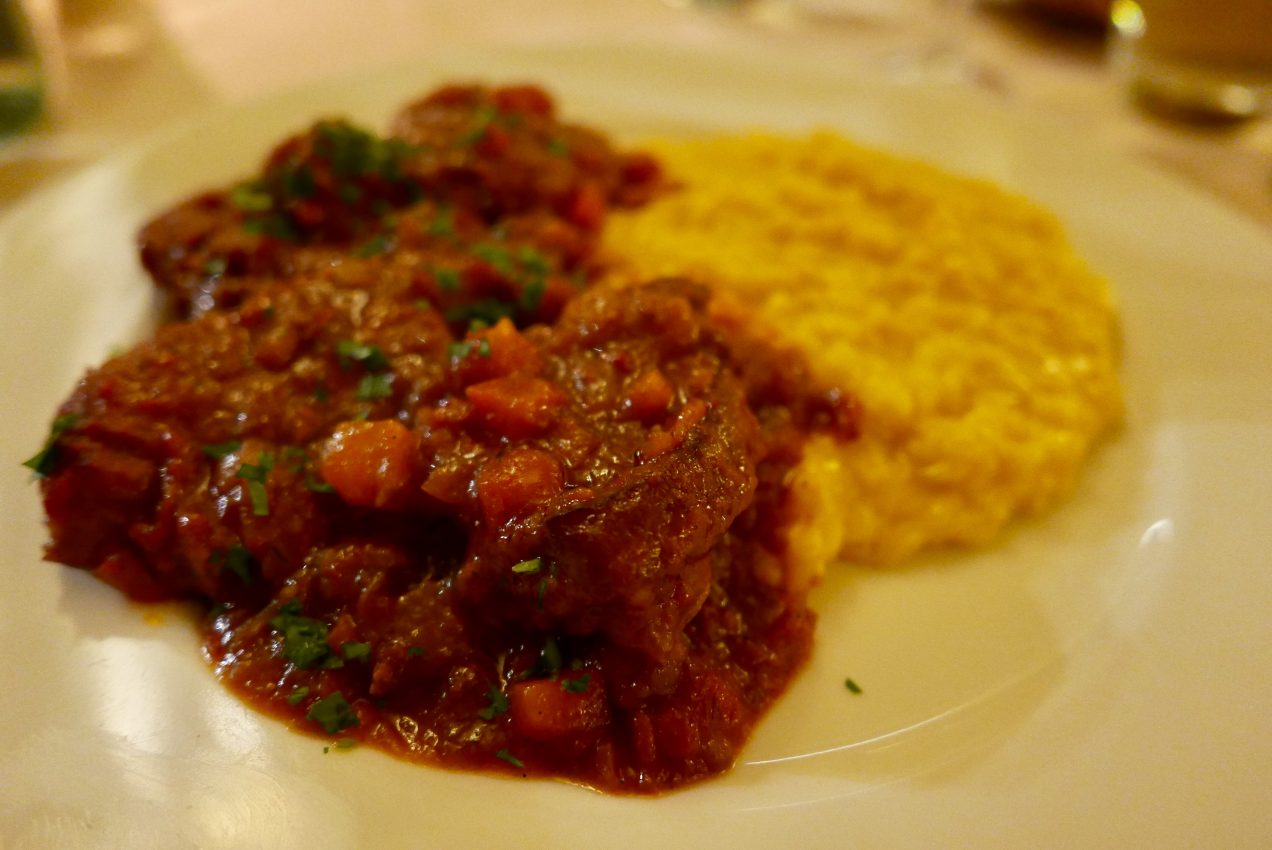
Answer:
(982, 349)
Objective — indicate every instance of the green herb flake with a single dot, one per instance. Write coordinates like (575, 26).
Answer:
(276, 225)
(377, 245)
(485, 116)
(447, 279)
(497, 257)
(443, 224)
(529, 567)
(532, 294)
(251, 197)
(415, 652)
(346, 743)
(488, 310)
(498, 704)
(333, 713)
(297, 181)
(218, 451)
(215, 267)
(559, 147)
(460, 350)
(542, 592)
(315, 485)
(236, 559)
(297, 696)
(852, 686)
(355, 651)
(45, 460)
(505, 755)
(374, 387)
(256, 475)
(576, 686)
(367, 356)
(304, 639)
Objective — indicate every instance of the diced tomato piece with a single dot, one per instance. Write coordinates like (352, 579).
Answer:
(544, 710)
(509, 484)
(516, 405)
(370, 464)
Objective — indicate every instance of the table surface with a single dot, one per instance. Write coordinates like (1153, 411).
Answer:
(121, 65)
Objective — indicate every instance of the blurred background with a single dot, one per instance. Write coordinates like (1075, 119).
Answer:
(81, 78)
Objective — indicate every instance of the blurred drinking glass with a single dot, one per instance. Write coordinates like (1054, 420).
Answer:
(1203, 58)
(920, 40)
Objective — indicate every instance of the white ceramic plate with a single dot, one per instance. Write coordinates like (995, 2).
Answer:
(1100, 678)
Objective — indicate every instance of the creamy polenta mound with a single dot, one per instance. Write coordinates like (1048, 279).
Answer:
(982, 349)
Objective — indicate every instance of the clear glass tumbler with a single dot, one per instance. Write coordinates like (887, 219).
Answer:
(1204, 57)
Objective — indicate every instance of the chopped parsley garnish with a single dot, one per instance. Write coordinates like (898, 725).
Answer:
(377, 245)
(297, 696)
(236, 559)
(304, 638)
(497, 257)
(444, 222)
(505, 755)
(314, 485)
(332, 713)
(447, 279)
(276, 225)
(296, 181)
(368, 356)
(352, 650)
(217, 451)
(373, 387)
(353, 152)
(415, 652)
(215, 267)
(532, 294)
(576, 686)
(559, 147)
(43, 462)
(251, 197)
(485, 116)
(460, 350)
(543, 590)
(852, 686)
(531, 566)
(498, 704)
(488, 310)
(255, 475)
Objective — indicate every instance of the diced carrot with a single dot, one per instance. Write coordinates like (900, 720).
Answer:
(509, 484)
(506, 351)
(649, 396)
(543, 710)
(370, 464)
(516, 406)
(587, 206)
